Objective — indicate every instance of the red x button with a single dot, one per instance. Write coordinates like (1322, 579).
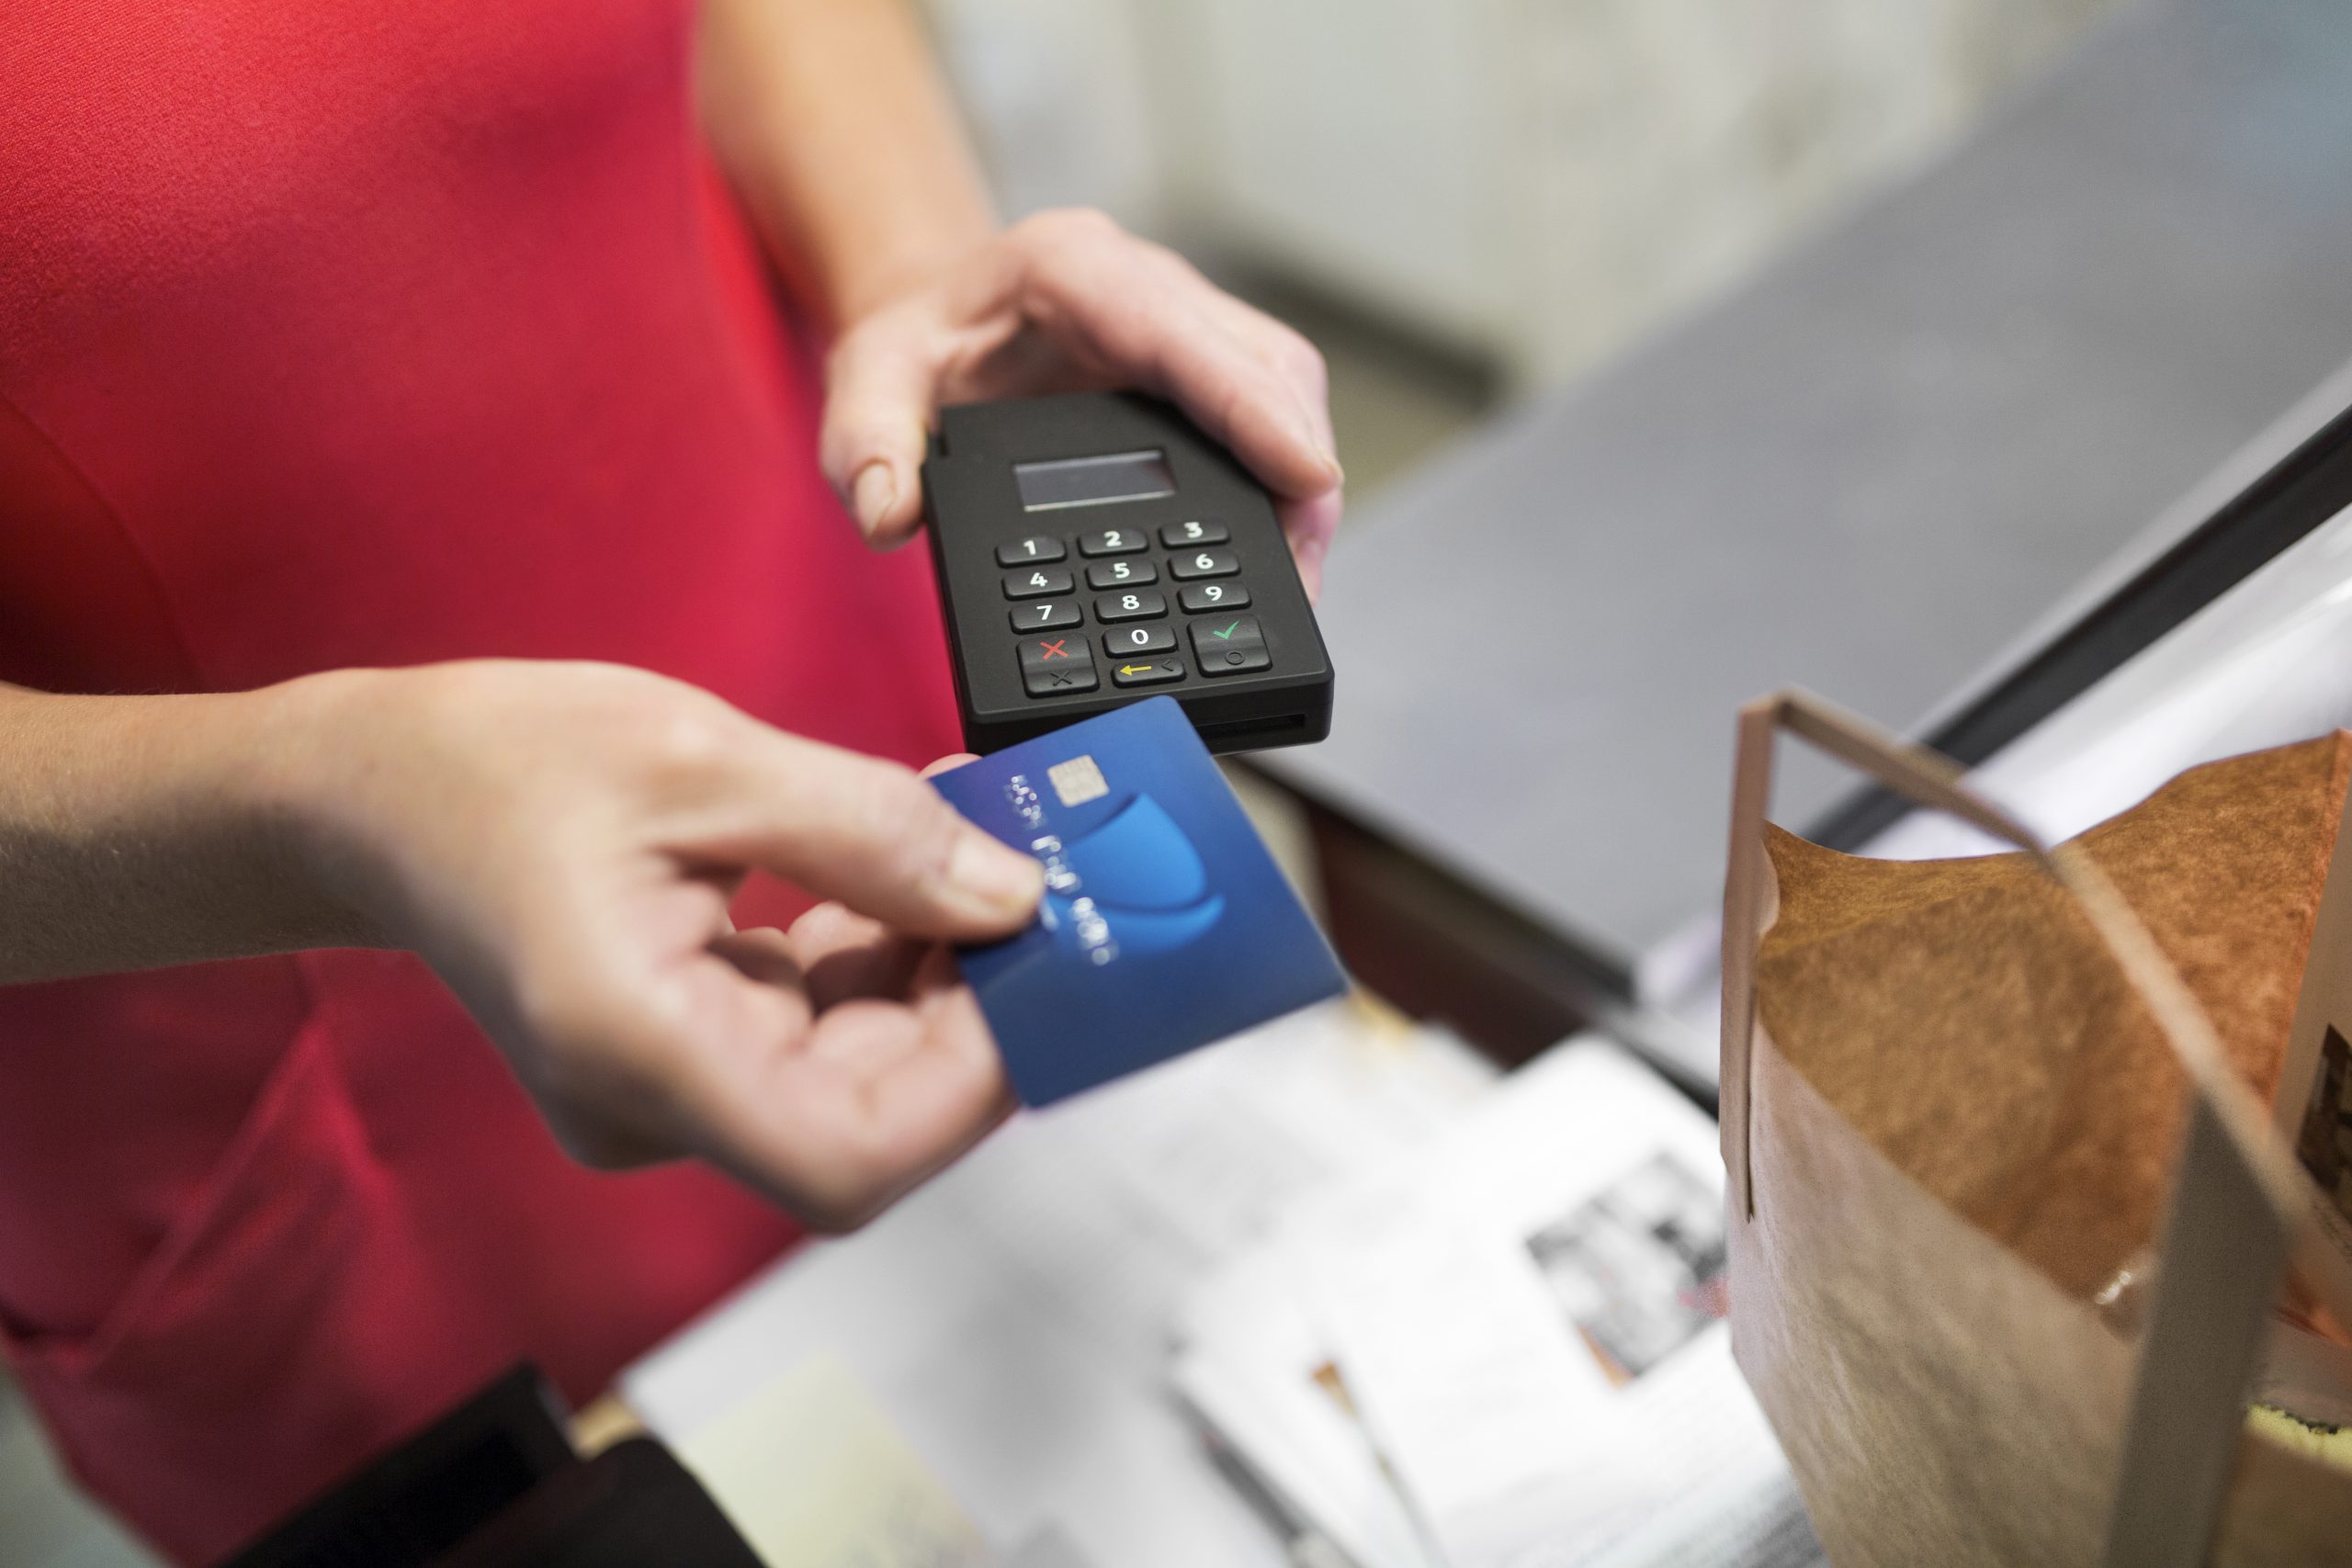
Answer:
(1053, 666)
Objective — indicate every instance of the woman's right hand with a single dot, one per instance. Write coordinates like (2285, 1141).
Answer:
(560, 843)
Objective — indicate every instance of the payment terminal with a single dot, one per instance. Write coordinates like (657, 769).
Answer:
(1096, 549)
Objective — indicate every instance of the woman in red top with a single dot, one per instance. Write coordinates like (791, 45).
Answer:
(340, 342)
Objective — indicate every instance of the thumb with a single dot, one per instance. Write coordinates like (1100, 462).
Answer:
(875, 837)
(879, 386)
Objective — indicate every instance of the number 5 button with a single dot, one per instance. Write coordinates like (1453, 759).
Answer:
(1229, 647)
(1187, 564)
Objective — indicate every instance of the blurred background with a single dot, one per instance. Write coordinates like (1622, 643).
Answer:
(1464, 201)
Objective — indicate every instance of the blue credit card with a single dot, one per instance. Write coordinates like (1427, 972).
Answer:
(1165, 924)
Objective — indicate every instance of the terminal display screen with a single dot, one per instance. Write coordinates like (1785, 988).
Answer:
(1094, 481)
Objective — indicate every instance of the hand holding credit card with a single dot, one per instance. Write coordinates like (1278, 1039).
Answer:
(1165, 926)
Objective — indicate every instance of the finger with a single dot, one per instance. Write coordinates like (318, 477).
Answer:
(880, 1098)
(870, 834)
(1162, 325)
(1311, 525)
(762, 955)
(879, 385)
(949, 764)
(1283, 349)
(845, 955)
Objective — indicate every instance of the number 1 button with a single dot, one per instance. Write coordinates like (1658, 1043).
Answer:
(1229, 647)
(1038, 550)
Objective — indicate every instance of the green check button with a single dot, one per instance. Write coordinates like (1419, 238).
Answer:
(1235, 649)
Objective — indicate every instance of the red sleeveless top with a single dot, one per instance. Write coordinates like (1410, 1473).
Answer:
(344, 334)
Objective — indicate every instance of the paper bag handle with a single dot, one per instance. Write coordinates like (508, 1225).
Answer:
(2238, 1208)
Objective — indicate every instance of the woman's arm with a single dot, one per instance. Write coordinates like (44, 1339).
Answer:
(560, 843)
(139, 831)
(831, 120)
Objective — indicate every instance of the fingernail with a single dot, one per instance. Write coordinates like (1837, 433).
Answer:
(1313, 438)
(1311, 551)
(1003, 880)
(873, 494)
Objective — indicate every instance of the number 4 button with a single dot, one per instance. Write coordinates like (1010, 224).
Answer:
(1229, 647)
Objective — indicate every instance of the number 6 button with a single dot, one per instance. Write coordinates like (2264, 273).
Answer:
(1188, 564)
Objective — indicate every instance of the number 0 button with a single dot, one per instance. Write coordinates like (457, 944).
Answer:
(1229, 647)
(1187, 564)
(1137, 639)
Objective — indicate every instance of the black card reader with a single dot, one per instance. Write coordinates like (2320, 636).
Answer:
(1096, 549)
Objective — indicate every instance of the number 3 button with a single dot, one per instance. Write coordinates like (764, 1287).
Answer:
(1229, 647)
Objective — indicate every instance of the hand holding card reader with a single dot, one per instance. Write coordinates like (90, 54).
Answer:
(1097, 548)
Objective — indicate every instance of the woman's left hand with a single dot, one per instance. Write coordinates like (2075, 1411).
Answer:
(1061, 303)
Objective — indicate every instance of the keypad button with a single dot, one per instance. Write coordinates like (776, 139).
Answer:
(1200, 597)
(1141, 606)
(1176, 536)
(1110, 542)
(1035, 550)
(1231, 648)
(1045, 616)
(1038, 583)
(1052, 665)
(1138, 639)
(1186, 565)
(1120, 574)
(1147, 672)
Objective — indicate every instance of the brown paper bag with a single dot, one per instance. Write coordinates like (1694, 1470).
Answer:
(1963, 1101)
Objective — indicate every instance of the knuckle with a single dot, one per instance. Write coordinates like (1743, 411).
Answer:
(910, 825)
(1302, 361)
(1061, 229)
